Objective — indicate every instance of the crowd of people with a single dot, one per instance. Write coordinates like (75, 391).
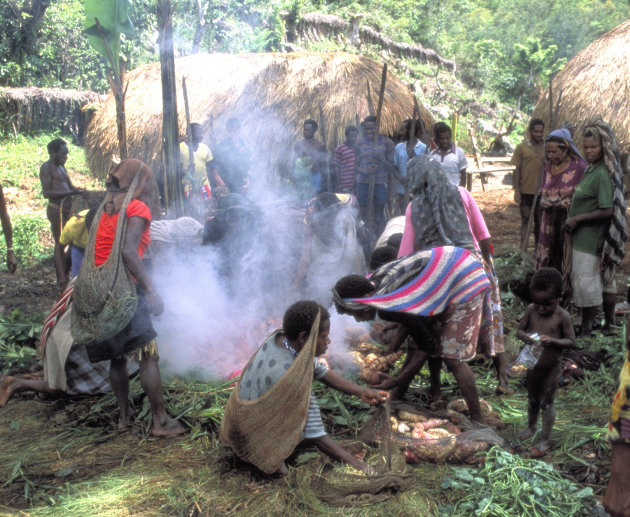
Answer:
(431, 277)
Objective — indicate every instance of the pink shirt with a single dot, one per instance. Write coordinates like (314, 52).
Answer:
(476, 224)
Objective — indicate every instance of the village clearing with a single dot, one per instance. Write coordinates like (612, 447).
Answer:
(63, 457)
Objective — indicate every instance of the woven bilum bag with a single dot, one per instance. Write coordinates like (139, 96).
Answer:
(104, 298)
(266, 430)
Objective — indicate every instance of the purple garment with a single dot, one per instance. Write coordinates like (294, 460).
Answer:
(555, 197)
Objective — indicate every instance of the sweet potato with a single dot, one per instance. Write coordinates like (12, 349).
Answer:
(465, 449)
(370, 375)
(437, 432)
(436, 450)
(434, 422)
(411, 416)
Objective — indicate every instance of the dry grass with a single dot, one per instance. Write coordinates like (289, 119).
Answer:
(595, 83)
(271, 93)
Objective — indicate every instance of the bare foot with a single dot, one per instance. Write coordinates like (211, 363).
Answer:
(526, 433)
(504, 389)
(6, 389)
(125, 417)
(282, 471)
(543, 446)
(168, 427)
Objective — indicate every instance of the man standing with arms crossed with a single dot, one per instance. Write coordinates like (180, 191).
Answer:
(529, 159)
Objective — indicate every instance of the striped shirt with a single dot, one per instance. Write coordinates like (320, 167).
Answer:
(343, 161)
(374, 155)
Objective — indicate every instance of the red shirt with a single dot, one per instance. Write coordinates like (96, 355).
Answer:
(106, 231)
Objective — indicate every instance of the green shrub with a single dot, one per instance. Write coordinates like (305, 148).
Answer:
(28, 245)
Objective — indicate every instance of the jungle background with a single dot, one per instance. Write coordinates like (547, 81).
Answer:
(62, 457)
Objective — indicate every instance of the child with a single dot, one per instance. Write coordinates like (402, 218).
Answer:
(547, 329)
(268, 367)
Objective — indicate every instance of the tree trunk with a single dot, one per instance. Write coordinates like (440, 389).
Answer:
(172, 185)
(202, 25)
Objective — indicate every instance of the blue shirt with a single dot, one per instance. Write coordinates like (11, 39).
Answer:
(401, 158)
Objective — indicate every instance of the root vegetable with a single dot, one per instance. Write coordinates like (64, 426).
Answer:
(434, 422)
(434, 450)
(370, 375)
(464, 449)
(403, 428)
(460, 406)
(437, 432)
(411, 457)
(411, 416)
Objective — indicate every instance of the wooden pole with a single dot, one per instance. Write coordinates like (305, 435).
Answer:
(170, 127)
(189, 140)
(377, 131)
(326, 183)
(551, 118)
(478, 161)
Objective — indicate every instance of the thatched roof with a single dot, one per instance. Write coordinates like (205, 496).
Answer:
(28, 110)
(272, 94)
(595, 83)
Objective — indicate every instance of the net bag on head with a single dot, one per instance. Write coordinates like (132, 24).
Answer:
(266, 430)
(104, 298)
(340, 488)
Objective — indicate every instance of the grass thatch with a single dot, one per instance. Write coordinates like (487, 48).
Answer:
(30, 110)
(271, 93)
(594, 84)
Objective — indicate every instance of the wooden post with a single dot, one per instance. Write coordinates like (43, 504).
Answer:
(478, 161)
(170, 126)
(551, 118)
(326, 183)
(372, 181)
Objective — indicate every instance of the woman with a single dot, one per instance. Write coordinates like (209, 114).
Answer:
(562, 173)
(138, 337)
(441, 214)
(597, 225)
(443, 291)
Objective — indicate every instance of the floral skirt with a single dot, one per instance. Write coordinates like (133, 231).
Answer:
(457, 330)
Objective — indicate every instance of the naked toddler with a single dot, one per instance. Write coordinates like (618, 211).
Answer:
(554, 330)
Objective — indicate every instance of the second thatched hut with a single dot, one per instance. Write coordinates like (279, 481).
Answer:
(272, 94)
(595, 83)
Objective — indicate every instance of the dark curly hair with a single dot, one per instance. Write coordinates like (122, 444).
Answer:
(352, 286)
(301, 316)
(547, 279)
(382, 255)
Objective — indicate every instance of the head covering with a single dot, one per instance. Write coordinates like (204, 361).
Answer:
(437, 210)
(613, 252)
(565, 135)
(120, 179)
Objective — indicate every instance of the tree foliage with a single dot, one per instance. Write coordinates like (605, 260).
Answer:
(505, 47)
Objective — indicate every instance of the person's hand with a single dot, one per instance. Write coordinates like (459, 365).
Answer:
(546, 340)
(155, 303)
(517, 196)
(544, 203)
(374, 397)
(571, 224)
(565, 203)
(11, 261)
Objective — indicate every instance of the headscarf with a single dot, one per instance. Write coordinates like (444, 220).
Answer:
(437, 210)
(613, 252)
(120, 179)
(565, 135)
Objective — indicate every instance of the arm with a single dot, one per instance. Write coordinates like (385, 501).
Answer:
(332, 449)
(408, 242)
(486, 250)
(590, 217)
(303, 262)
(213, 175)
(521, 333)
(336, 381)
(133, 262)
(7, 229)
(516, 181)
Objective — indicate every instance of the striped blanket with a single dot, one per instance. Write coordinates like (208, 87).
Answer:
(427, 282)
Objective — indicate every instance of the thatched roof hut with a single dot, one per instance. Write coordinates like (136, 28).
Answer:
(272, 94)
(595, 83)
(29, 110)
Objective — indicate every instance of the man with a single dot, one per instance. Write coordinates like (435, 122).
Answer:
(199, 178)
(310, 155)
(343, 162)
(233, 159)
(405, 151)
(452, 158)
(374, 158)
(528, 158)
(58, 189)
(8, 233)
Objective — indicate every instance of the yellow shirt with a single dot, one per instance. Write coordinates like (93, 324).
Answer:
(75, 231)
(530, 164)
(202, 156)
